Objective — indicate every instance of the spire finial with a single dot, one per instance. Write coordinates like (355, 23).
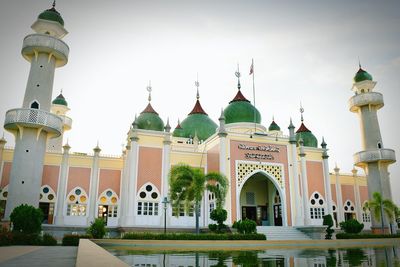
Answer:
(273, 118)
(149, 90)
(54, 4)
(301, 112)
(359, 62)
(197, 84)
(237, 74)
(61, 91)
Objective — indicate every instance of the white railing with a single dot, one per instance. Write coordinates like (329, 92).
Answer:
(67, 121)
(363, 99)
(384, 154)
(33, 118)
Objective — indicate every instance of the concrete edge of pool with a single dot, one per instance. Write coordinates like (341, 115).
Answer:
(241, 245)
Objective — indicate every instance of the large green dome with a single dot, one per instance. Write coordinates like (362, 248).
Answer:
(149, 120)
(197, 123)
(362, 75)
(51, 14)
(308, 138)
(60, 100)
(241, 110)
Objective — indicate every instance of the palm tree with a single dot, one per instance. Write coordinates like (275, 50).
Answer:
(381, 207)
(187, 185)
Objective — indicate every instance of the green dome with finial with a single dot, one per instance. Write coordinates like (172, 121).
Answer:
(52, 14)
(60, 100)
(241, 110)
(273, 126)
(178, 132)
(362, 75)
(308, 138)
(149, 120)
(197, 123)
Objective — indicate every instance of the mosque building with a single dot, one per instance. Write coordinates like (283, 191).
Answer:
(277, 177)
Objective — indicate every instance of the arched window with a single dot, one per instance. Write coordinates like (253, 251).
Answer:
(35, 105)
(148, 200)
(211, 201)
(366, 215)
(77, 202)
(317, 206)
(349, 210)
(108, 204)
(47, 194)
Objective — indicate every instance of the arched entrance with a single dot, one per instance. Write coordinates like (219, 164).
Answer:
(261, 200)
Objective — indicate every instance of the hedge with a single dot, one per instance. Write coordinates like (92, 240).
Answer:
(73, 240)
(19, 238)
(189, 236)
(364, 236)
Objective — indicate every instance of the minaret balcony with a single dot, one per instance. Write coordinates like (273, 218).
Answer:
(33, 118)
(365, 99)
(44, 43)
(67, 122)
(383, 155)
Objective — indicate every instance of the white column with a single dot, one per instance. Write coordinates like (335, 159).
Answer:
(94, 183)
(297, 207)
(339, 199)
(327, 179)
(133, 159)
(304, 184)
(165, 177)
(124, 187)
(357, 196)
(2, 144)
(62, 187)
(222, 167)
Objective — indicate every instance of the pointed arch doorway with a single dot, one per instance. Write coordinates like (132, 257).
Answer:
(262, 200)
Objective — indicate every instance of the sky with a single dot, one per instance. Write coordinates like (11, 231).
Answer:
(304, 51)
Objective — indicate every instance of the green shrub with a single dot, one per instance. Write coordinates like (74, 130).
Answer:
(20, 238)
(364, 236)
(97, 229)
(213, 227)
(328, 221)
(5, 237)
(48, 240)
(351, 226)
(26, 219)
(73, 240)
(219, 215)
(190, 236)
(246, 226)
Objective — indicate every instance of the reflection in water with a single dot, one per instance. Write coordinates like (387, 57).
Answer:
(382, 256)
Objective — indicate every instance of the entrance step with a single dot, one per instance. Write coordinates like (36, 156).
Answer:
(282, 233)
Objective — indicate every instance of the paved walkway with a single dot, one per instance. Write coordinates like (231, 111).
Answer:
(33, 256)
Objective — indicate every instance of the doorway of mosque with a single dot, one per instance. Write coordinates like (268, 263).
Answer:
(48, 212)
(103, 212)
(260, 201)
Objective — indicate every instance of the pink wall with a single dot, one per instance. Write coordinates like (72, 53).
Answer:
(109, 179)
(213, 159)
(5, 177)
(315, 177)
(240, 154)
(149, 167)
(333, 191)
(348, 193)
(50, 176)
(363, 193)
(78, 176)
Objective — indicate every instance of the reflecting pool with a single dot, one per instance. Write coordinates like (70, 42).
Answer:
(378, 256)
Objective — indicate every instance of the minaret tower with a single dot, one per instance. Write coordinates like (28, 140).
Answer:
(373, 158)
(33, 124)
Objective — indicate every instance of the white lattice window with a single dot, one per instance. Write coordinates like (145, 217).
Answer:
(366, 214)
(317, 206)
(349, 206)
(108, 204)
(211, 201)
(77, 202)
(182, 212)
(148, 200)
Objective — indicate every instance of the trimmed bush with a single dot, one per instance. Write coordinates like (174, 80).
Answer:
(364, 236)
(20, 238)
(246, 226)
(26, 219)
(73, 240)
(219, 215)
(48, 240)
(5, 237)
(351, 226)
(190, 236)
(328, 221)
(97, 229)
(213, 227)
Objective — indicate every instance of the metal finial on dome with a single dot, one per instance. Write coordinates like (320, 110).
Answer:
(301, 112)
(54, 4)
(237, 74)
(359, 62)
(197, 84)
(149, 88)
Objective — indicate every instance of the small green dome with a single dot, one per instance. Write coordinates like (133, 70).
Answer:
(198, 123)
(51, 14)
(274, 126)
(178, 132)
(308, 138)
(60, 100)
(149, 120)
(241, 110)
(362, 75)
